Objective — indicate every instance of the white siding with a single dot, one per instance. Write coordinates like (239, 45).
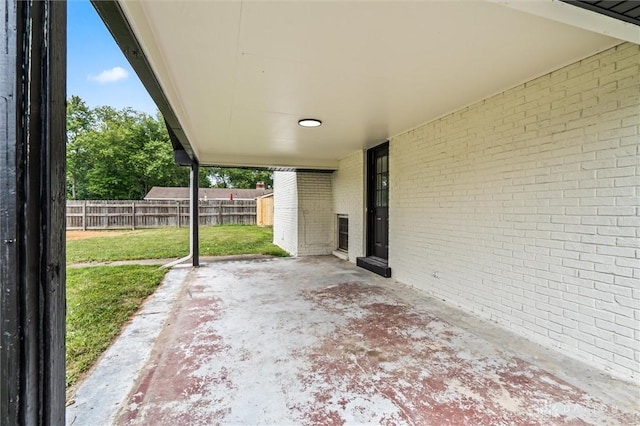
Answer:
(285, 211)
(526, 206)
(348, 199)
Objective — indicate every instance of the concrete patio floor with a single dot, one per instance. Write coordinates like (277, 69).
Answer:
(319, 341)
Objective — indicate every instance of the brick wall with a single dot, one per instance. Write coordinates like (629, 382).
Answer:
(524, 208)
(316, 232)
(285, 211)
(303, 222)
(348, 199)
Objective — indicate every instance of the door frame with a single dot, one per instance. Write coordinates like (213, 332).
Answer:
(370, 196)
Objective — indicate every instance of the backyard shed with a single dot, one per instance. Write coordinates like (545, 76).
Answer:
(264, 210)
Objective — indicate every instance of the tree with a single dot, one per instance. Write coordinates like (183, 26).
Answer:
(119, 154)
(226, 177)
(80, 123)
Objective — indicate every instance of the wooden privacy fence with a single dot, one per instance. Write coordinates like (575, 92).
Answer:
(156, 214)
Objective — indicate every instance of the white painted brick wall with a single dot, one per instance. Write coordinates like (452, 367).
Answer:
(349, 199)
(527, 204)
(316, 225)
(285, 211)
(303, 222)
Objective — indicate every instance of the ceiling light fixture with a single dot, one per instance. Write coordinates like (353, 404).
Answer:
(309, 122)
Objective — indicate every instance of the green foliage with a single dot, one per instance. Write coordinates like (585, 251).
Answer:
(119, 154)
(99, 301)
(173, 243)
(225, 177)
(80, 122)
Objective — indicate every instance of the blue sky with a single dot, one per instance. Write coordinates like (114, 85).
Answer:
(96, 69)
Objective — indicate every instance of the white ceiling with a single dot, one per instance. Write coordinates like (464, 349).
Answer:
(239, 74)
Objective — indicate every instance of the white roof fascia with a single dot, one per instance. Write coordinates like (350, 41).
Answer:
(576, 16)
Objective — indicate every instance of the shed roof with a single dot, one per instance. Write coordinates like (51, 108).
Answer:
(173, 193)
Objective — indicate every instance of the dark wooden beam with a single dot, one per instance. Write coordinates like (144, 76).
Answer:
(113, 17)
(32, 211)
(9, 297)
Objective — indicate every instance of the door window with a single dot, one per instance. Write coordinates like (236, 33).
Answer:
(382, 181)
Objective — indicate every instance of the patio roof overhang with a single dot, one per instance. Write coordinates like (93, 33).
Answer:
(234, 77)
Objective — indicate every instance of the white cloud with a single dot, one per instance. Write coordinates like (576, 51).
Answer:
(110, 76)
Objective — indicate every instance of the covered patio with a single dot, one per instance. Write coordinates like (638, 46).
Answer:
(508, 138)
(317, 340)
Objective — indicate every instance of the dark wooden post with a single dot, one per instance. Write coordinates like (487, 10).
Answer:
(84, 215)
(194, 221)
(32, 212)
(133, 215)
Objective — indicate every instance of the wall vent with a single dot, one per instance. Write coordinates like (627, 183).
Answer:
(343, 233)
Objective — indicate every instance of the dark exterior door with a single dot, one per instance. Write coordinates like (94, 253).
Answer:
(378, 201)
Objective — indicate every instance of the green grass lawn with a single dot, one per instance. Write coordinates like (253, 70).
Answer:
(100, 300)
(174, 243)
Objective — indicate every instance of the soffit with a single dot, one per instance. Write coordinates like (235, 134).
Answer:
(239, 75)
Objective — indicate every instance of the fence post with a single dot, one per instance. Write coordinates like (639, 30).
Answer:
(133, 215)
(84, 215)
(220, 217)
(178, 214)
